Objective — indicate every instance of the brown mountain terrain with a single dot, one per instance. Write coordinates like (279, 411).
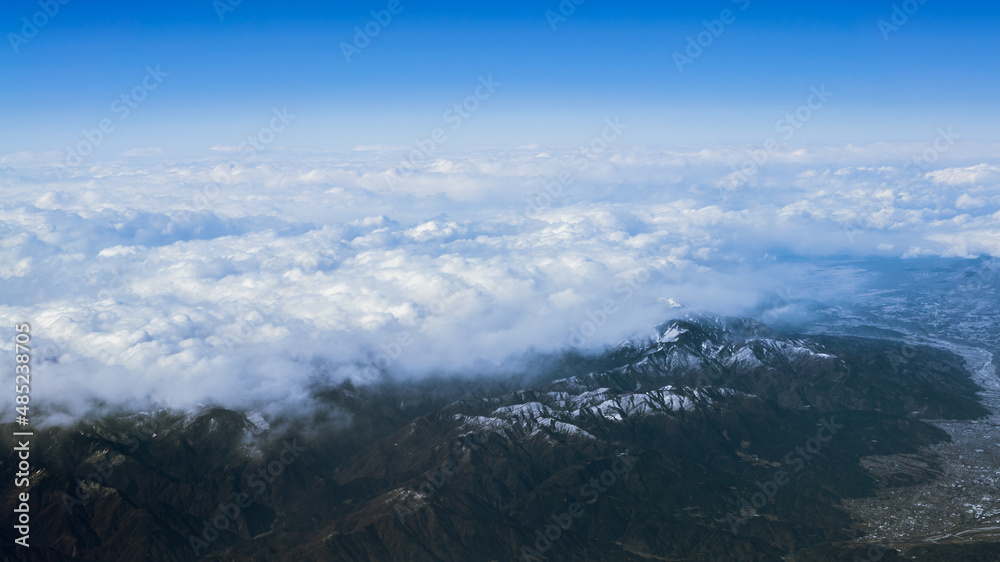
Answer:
(717, 440)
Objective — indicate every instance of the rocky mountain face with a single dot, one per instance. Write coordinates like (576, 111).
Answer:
(717, 439)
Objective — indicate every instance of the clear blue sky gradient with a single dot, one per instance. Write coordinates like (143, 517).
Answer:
(940, 68)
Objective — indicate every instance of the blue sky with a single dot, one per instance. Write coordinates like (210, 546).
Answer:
(940, 68)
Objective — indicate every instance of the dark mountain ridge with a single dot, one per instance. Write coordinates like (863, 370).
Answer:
(713, 439)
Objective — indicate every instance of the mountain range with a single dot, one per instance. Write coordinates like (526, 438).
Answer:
(712, 439)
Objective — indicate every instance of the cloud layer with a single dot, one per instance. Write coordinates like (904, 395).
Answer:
(248, 281)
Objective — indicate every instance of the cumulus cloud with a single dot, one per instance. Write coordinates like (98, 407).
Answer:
(965, 175)
(248, 281)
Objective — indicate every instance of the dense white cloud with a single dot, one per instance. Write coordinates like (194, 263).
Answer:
(970, 174)
(245, 281)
